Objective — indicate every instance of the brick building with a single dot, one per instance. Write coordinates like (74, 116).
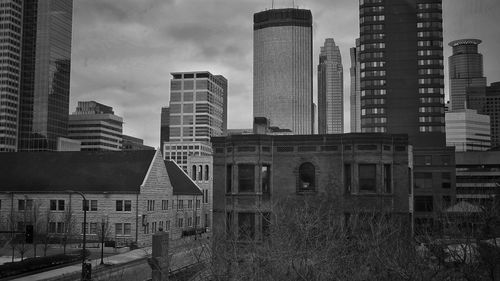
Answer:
(365, 172)
(134, 193)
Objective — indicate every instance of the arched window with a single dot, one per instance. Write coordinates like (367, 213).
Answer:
(200, 172)
(193, 172)
(307, 175)
(207, 175)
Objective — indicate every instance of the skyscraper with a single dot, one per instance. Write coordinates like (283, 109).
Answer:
(330, 90)
(355, 89)
(45, 73)
(10, 73)
(467, 130)
(402, 82)
(486, 100)
(466, 71)
(164, 126)
(282, 69)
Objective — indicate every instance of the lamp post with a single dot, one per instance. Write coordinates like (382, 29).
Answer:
(85, 205)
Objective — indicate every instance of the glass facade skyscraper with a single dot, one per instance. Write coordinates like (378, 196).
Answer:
(45, 73)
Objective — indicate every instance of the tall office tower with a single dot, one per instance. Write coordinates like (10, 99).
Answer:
(465, 70)
(467, 130)
(330, 89)
(282, 69)
(355, 89)
(486, 100)
(45, 74)
(402, 82)
(96, 126)
(10, 72)
(164, 126)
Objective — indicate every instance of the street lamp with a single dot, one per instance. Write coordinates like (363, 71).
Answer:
(85, 205)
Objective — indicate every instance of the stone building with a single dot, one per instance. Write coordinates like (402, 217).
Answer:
(134, 193)
(365, 172)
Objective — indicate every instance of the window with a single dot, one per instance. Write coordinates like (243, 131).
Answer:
(307, 175)
(207, 223)
(153, 227)
(180, 204)
(387, 178)
(423, 180)
(368, 177)
(118, 228)
(167, 225)
(164, 204)
(266, 178)
(180, 222)
(198, 203)
(197, 221)
(246, 177)
(424, 204)
(207, 176)
(57, 205)
(193, 172)
(190, 204)
(246, 226)
(347, 178)
(229, 173)
(200, 172)
(60, 227)
(123, 205)
(151, 205)
(189, 221)
(93, 205)
(60, 205)
(52, 227)
(446, 180)
(53, 205)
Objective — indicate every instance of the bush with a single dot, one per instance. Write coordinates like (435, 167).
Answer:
(32, 264)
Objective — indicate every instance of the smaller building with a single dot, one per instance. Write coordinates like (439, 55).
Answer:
(133, 143)
(179, 151)
(96, 126)
(467, 130)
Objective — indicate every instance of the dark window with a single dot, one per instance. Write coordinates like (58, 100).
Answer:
(193, 172)
(246, 177)
(347, 178)
(21, 205)
(367, 147)
(53, 205)
(246, 226)
(423, 180)
(424, 204)
(229, 180)
(246, 148)
(119, 205)
(387, 178)
(93, 205)
(446, 180)
(266, 179)
(200, 172)
(60, 205)
(206, 172)
(367, 177)
(307, 174)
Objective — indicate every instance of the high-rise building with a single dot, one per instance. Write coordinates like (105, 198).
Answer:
(197, 104)
(45, 73)
(355, 89)
(282, 69)
(486, 100)
(467, 130)
(402, 79)
(164, 126)
(10, 72)
(465, 70)
(96, 126)
(330, 89)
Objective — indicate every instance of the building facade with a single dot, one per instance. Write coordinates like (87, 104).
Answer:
(355, 89)
(164, 126)
(10, 72)
(96, 126)
(282, 69)
(200, 171)
(330, 90)
(198, 101)
(465, 70)
(133, 143)
(401, 69)
(362, 172)
(487, 101)
(45, 74)
(467, 130)
(181, 151)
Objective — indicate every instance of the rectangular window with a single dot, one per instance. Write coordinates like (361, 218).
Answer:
(246, 177)
(266, 179)
(123, 205)
(424, 204)
(368, 177)
(21, 206)
(190, 222)
(446, 180)
(52, 227)
(167, 225)
(229, 173)
(198, 203)
(128, 205)
(207, 223)
(60, 227)
(347, 178)
(190, 204)
(246, 226)
(197, 220)
(127, 229)
(151, 205)
(387, 178)
(118, 229)
(93, 205)
(180, 204)
(423, 180)
(164, 204)
(53, 205)
(180, 222)
(60, 205)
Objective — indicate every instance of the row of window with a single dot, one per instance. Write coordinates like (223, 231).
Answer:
(372, 111)
(371, 18)
(200, 174)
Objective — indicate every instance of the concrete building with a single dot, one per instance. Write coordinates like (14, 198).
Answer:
(467, 130)
(330, 89)
(200, 171)
(465, 70)
(363, 172)
(282, 69)
(402, 77)
(478, 176)
(10, 74)
(355, 89)
(45, 73)
(133, 143)
(96, 126)
(180, 151)
(198, 105)
(487, 101)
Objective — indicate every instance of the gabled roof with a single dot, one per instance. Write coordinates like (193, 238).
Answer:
(103, 171)
(464, 207)
(181, 182)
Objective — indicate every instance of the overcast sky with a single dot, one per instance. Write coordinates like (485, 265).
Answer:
(124, 50)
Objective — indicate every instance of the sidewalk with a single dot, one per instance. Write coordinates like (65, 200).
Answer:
(111, 260)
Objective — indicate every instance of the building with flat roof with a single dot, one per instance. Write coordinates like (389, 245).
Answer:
(96, 126)
(330, 89)
(467, 130)
(282, 69)
(181, 150)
